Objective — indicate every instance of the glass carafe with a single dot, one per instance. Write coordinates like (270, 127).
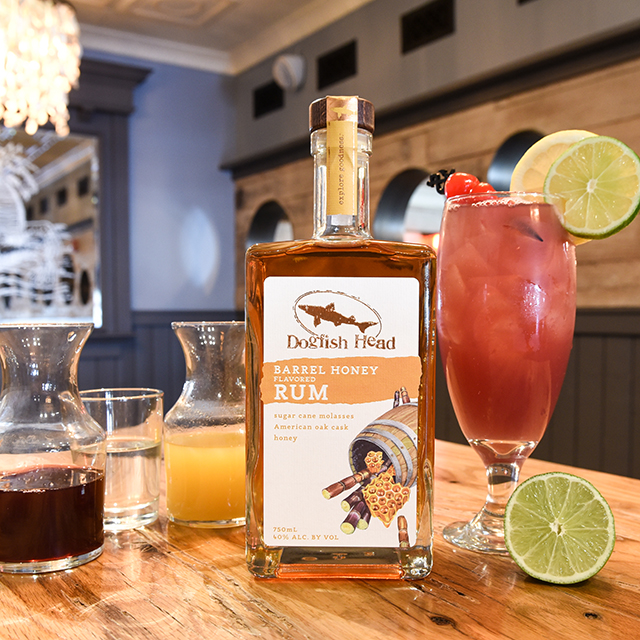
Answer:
(52, 454)
(204, 442)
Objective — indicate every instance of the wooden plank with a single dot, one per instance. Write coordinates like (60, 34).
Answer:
(162, 376)
(634, 411)
(103, 366)
(608, 322)
(590, 403)
(617, 424)
(559, 443)
(447, 427)
(176, 363)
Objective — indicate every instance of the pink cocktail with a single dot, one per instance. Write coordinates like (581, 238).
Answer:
(506, 313)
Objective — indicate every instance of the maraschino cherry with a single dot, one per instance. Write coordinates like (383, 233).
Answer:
(460, 183)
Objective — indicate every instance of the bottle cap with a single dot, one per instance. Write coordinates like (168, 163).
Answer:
(349, 108)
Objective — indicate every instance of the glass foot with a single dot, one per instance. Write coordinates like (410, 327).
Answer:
(45, 566)
(209, 524)
(484, 533)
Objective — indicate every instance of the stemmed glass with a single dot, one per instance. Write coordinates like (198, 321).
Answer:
(505, 318)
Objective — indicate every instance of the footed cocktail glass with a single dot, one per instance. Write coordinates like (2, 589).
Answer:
(505, 318)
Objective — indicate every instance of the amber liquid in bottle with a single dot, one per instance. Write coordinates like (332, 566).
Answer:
(335, 286)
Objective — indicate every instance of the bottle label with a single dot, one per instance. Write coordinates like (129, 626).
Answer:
(342, 164)
(339, 388)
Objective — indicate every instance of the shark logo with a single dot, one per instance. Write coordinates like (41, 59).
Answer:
(321, 311)
(330, 314)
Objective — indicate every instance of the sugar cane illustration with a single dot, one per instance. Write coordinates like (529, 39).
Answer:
(365, 518)
(350, 501)
(337, 488)
(403, 534)
(351, 521)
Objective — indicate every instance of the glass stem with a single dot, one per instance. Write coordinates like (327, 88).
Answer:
(502, 479)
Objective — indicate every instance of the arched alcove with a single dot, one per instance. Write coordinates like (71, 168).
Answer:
(269, 223)
(409, 210)
(507, 156)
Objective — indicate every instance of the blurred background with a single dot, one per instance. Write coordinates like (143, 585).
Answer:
(196, 112)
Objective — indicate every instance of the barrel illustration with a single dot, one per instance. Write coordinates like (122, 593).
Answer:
(384, 462)
(394, 433)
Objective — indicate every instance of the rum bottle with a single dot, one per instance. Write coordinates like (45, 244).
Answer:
(340, 381)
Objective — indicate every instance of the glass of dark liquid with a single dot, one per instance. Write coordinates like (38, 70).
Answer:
(52, 453)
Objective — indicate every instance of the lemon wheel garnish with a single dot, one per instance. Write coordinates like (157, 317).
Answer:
(558, 528)
(598, 182)
(531, 170)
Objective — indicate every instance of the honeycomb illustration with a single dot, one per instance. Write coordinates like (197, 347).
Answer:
(373, 460)
(385, 497)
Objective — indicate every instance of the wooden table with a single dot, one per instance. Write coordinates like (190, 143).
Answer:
(167, 581)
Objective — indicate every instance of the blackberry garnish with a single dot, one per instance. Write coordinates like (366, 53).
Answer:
(437, 179)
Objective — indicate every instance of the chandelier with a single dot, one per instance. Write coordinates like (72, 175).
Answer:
(40, 58)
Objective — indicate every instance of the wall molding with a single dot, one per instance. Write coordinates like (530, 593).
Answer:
(101, 107)
(607, 322)
(167, 317)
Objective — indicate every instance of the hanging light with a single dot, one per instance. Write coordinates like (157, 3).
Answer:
(40, 62)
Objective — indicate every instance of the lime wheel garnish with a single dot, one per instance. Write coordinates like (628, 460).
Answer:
(598, 183)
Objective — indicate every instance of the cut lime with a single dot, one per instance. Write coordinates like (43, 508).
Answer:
(598, 181)
(532, 168)
(558, 528)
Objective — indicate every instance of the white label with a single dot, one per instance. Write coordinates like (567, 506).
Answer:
(338, 354)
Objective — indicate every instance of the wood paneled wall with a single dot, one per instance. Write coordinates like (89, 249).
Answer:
(606, 101)
(596, 424)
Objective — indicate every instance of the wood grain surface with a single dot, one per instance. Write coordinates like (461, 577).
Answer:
(167, 581)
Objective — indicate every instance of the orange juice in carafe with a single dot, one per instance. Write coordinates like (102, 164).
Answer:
(204, 435)
(205, 472)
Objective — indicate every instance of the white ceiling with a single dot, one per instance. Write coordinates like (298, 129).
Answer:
(224, 36)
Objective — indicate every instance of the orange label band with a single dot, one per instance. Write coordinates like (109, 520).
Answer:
(339, 380)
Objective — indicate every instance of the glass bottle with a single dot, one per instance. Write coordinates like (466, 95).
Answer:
(52, 454)
(340, 381)
(204, 440)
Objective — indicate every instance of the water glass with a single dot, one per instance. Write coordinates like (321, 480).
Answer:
(133, 421)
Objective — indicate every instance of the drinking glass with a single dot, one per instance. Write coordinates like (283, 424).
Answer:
(133, 420)
(505, 319)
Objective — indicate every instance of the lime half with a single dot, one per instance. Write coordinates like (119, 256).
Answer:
(558, 528)
(598, 180)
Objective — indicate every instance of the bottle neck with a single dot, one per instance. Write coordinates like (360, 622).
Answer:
(341, 181)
